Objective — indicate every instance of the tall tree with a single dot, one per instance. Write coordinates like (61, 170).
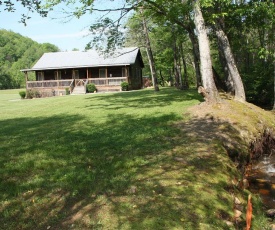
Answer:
(210, 91)
(149, 52)
(185, 78)
(230, 62)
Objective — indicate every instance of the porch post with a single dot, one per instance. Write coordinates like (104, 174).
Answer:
(87, 73)
(127, 73)
(26, 78)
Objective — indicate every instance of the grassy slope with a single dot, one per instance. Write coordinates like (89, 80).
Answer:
(131, 160)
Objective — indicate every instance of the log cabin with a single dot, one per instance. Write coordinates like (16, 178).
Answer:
(58, 72)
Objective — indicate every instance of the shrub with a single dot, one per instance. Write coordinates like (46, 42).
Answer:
(91, 88)
(22, 94)
(124, 86)
(148, 83)
(67, 91)
(32, 93)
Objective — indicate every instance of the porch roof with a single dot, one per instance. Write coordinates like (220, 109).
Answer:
(78, 59)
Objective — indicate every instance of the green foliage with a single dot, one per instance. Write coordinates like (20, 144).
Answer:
(67, 91)
(22, 94)
(33, 93)
(91, 88)
(250, 29)
(5, 81)
(30, 6)
(124, 86)
(18, 52)
(163, 34)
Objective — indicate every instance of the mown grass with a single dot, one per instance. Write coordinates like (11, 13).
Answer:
(132, 160)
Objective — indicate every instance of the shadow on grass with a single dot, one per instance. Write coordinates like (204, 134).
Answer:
(128, 173)
(145, 98)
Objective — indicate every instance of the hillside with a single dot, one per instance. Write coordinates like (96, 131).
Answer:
(18, 52)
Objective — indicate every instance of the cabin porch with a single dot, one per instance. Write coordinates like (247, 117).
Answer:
(59, 87)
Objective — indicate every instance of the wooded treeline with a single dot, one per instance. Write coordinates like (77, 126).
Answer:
(18, 52)
(244, 29)
(214, 45)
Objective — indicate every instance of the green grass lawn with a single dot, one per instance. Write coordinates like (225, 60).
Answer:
(110, 161)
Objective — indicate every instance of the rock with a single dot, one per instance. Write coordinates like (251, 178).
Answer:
(229, 223)
(234, 182)
(237, 213)
(180, 159)
(270, 213)
(237, 201)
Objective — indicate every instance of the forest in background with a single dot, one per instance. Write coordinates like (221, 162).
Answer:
(18, 52)
(173, 41)
(250, 37)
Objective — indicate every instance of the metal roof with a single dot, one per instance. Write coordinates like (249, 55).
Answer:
(78, 59)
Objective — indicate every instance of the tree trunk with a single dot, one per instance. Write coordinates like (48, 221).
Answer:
(175, 56)
(230, 62)
(185, 76)
(150, 55)
(210, 91)
(229, 85)
(196, 54)
(218, 81)
(161, 77)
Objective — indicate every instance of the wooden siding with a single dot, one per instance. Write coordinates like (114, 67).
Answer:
(136, 75)
(83, 73)
(114, 77)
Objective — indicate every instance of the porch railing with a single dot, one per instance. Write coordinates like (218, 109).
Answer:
(49, 84)
(112, 81)
(70, 83)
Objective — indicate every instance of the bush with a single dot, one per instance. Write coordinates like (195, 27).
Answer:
(91, 88)
(32, 93)
(67, 91)
(22, 94)
(124, 86)
(148, 83)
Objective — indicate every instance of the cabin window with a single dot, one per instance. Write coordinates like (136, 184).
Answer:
(124, 72)
(75, 74)
(40, 76)
(102, 73)
(57, 75)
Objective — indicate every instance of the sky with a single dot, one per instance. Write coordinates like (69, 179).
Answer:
(53, 29)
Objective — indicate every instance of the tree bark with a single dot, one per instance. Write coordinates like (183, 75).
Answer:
(150, 54)
(175, 56)
(229, 86)
(210, 89)
(161, 77)
(230, 62)
(185, 77)
(218, 81)
(196, 54)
